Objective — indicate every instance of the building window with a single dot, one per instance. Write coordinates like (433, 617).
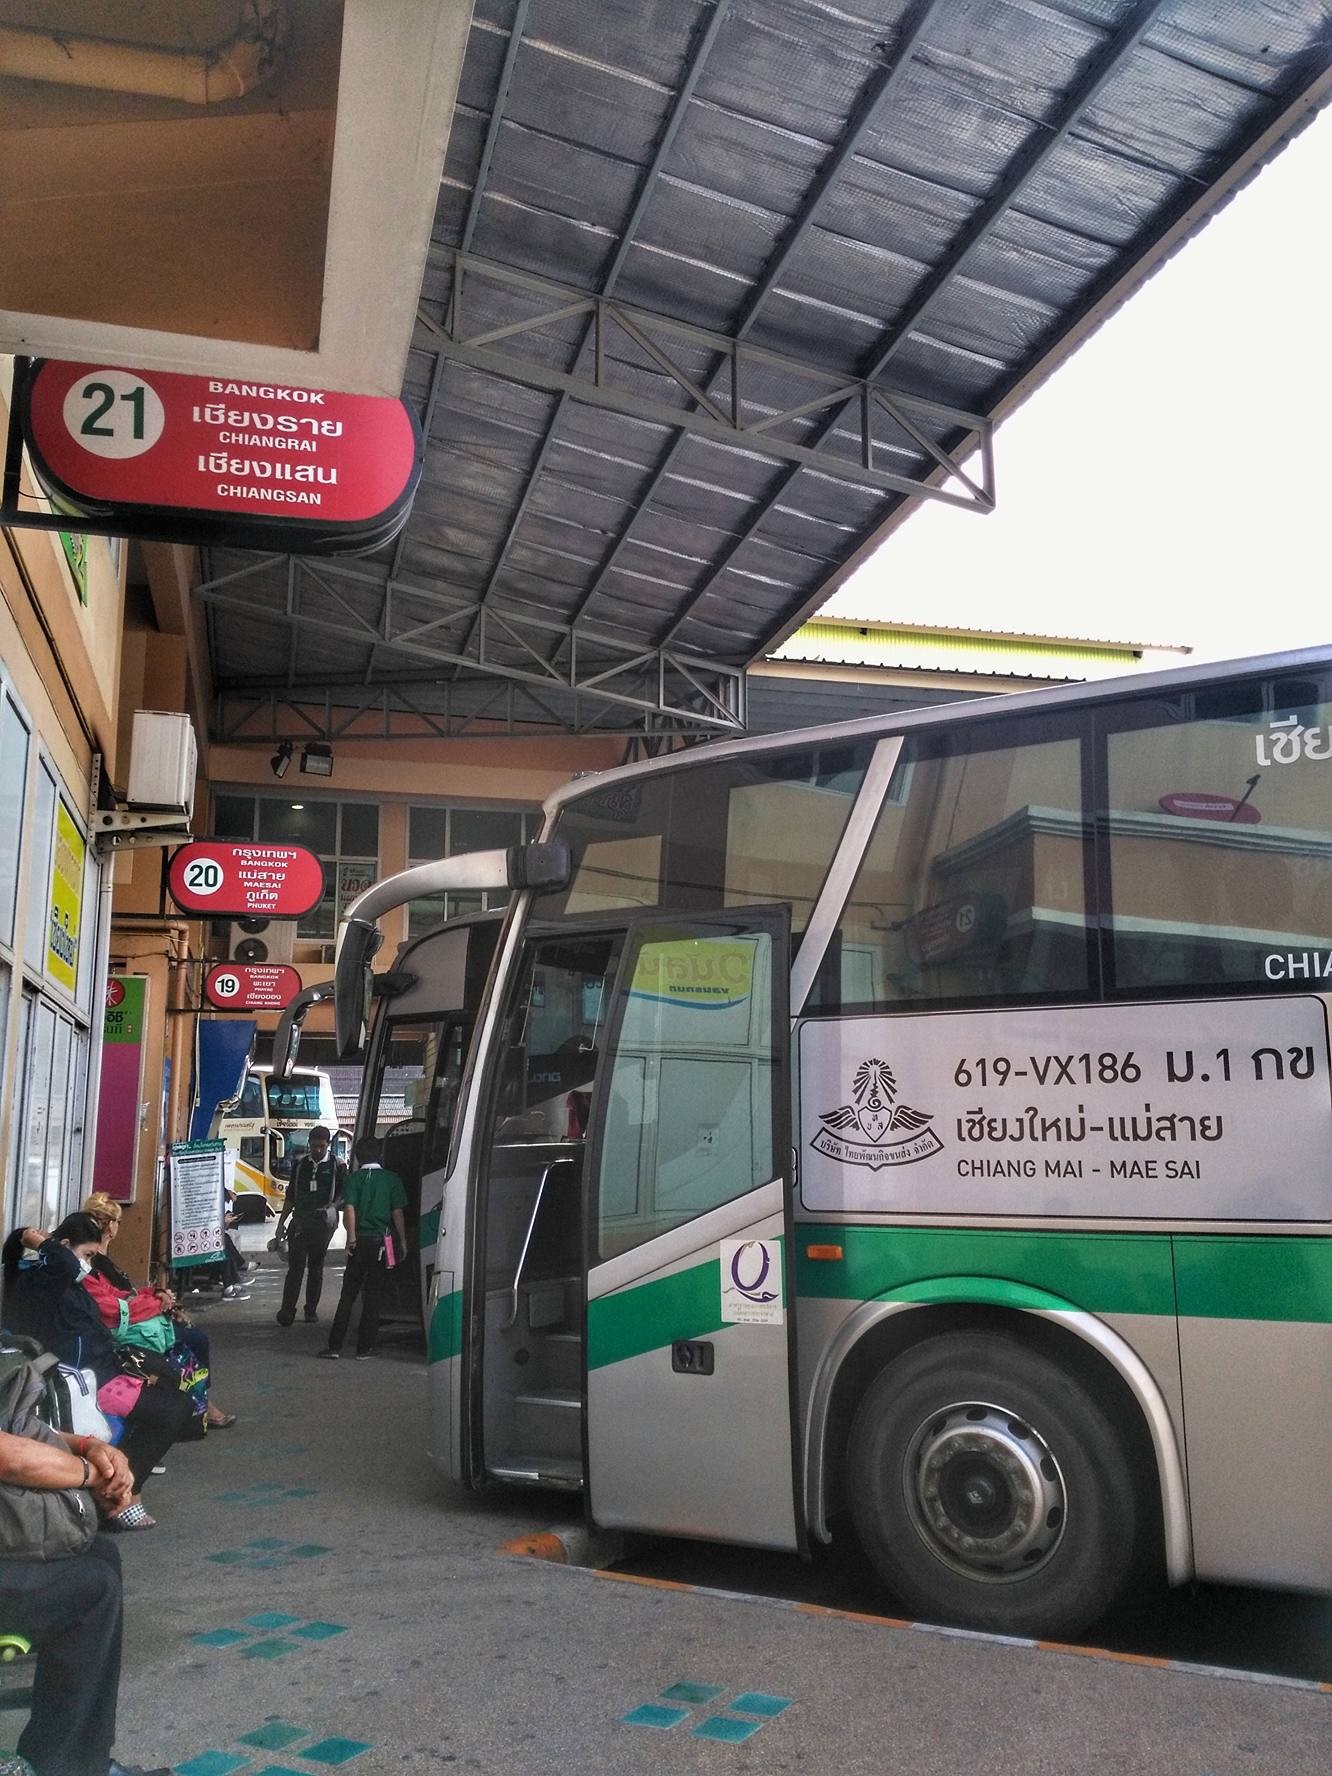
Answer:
(41, 832)
(13, 777)
(438, 831)
(344, 836)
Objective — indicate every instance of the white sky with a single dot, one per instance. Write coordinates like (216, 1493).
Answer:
(1171, 482)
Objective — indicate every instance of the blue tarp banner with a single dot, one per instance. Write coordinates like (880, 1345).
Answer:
(221, 1049)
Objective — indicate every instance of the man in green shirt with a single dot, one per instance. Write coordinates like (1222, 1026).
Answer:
(372, 1200)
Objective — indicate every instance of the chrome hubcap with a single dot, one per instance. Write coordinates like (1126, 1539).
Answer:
(984, 1492)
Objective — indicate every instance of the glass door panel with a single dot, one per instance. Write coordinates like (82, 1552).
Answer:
(689, 1324)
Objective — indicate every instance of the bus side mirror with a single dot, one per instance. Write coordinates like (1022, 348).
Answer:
(287, 1039)
(538, 866)
(353, 986)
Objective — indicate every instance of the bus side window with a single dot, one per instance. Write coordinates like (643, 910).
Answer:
(971, 889)
(1219, 831)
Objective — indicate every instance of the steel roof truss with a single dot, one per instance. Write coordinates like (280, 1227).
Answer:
(709, 418)
(708, 695)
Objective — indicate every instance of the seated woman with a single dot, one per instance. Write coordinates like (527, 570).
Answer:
(110, 1288)
(43, 1300)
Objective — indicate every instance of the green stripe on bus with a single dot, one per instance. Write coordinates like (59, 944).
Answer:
(1273, 1277)
(428, 1232)
(1254, 1277)
(446, 1324)
(686, 1304)
(1099, 1272)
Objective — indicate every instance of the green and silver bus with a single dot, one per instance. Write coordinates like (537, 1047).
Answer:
(919, 1128)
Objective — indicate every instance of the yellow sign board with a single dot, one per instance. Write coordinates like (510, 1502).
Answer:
(62, 937)
(704, 972)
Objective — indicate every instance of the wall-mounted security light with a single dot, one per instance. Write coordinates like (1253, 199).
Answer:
(317, 759)
(281, 759)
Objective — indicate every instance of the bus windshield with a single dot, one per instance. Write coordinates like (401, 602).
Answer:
(712, 837)
(295, 1098)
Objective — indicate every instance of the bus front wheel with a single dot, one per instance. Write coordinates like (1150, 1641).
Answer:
(990, 1489)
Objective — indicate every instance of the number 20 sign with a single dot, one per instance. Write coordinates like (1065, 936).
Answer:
(220, 881)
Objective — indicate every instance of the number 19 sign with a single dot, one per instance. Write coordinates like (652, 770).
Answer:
(219, 881)
(254, 986)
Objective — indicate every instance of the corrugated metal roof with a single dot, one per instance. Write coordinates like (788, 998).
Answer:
(937, 197)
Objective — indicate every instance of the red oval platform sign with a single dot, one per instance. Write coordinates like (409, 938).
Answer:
(207, 458)
(221, 881)
(251, 986)
(1201, 804)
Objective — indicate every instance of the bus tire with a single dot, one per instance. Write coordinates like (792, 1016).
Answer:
(990, 1489)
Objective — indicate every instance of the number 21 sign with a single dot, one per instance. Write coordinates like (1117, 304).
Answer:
(220, 881)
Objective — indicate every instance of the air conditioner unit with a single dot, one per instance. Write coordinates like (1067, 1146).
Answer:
(262, 940)
(163, 762)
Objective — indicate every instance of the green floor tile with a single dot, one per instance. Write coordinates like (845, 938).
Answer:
(269, 1649)
(280, 1770)
(308, 1551)
(219, 1637)
(726, 1728)
(318, 1630)
(692, 1692)
(230, 1556)
(274, 1735)
(336, 1751)
(758, 1702)
(212, 1763)
(651, 1714)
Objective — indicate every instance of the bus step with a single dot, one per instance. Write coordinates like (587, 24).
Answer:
(564, 1472)
(550, 1422)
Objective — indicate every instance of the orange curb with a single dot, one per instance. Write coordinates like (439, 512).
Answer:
(1090, 1652)
(544, 1545)
(638, 1579)
(841, 1615)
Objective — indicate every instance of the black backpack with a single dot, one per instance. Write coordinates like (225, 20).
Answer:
(31, 1387)
(37, 1524)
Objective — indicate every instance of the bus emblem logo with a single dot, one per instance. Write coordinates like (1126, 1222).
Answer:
(874, 1129)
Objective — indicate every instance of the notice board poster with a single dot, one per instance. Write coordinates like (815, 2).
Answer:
(118, 1098)
(62, 940)
(197, 1169)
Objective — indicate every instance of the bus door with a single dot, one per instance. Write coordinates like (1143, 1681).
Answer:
(689, 1323)
(525, 1302)
(408, 1098)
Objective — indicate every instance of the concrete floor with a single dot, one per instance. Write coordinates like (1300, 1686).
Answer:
(315, 1598)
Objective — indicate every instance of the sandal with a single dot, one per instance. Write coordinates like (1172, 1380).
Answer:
(132, 1517)
(222, 1421)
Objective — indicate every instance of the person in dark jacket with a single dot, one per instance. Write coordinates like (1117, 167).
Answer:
(311, 1203)
(44, 1301)
(70, 1610)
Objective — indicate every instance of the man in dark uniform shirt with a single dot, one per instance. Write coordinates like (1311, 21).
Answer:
(314, 1192)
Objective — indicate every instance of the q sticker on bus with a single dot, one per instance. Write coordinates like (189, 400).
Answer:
(751, 1283)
